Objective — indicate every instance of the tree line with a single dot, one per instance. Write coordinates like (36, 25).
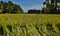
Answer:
(9, 7)
(49, 7)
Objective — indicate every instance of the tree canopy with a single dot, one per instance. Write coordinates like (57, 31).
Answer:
(9, 7)
(49, 7)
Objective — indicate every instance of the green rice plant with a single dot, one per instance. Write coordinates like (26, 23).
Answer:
(29, 25)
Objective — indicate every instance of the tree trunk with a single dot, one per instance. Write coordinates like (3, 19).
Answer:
(55, 4)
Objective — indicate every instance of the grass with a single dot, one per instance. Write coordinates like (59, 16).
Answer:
(30, 24)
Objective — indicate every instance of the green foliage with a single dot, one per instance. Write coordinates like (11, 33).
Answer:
(31, 11)
(58, 26)
(9, 7)
(50, 7)
(30, 30)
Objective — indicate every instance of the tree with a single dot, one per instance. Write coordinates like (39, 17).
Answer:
(34, 11)
(10, 3)
(51, 6)
(9, 7)
(18, 8)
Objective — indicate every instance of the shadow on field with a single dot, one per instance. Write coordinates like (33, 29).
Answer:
(1, 30)
(9, 27)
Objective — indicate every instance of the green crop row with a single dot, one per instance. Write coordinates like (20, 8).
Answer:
(46, 29)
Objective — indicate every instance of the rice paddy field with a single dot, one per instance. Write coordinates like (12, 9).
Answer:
(29, 24)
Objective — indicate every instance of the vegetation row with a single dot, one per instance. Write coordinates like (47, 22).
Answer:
(46, 29)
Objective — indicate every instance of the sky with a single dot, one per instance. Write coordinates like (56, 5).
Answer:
(28, 4)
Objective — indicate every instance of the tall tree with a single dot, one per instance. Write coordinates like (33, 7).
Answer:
(51, 6)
